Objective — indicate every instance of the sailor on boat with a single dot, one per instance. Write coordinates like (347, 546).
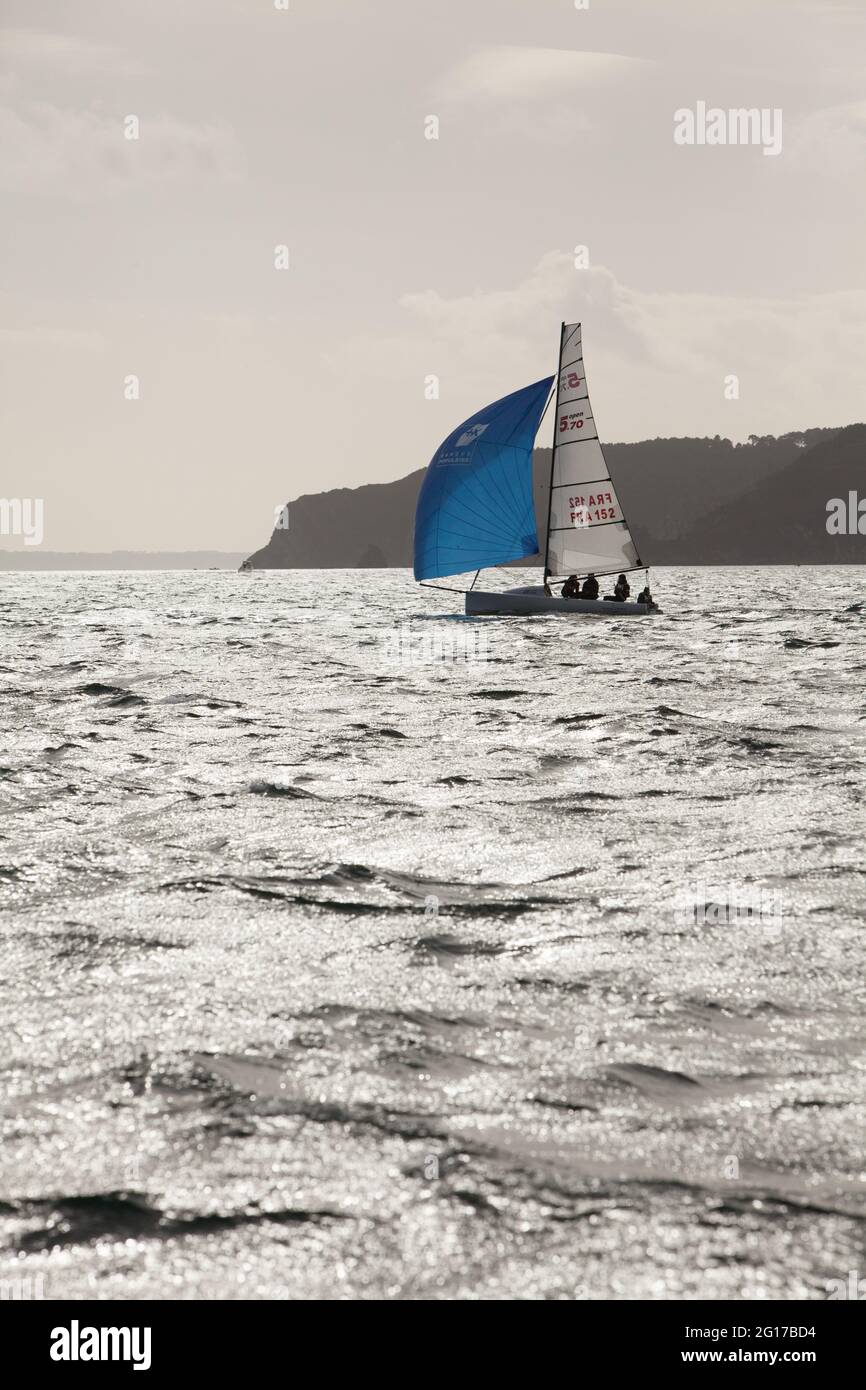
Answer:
(590, 587)
(622, 590)
(571, 588)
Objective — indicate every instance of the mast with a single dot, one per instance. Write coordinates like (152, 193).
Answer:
(553, 448)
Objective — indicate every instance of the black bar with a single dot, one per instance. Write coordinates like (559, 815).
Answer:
(246, 1338)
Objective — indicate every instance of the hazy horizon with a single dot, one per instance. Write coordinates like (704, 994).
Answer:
(409, 257)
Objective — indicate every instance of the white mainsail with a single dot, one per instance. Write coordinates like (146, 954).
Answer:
(587, 531)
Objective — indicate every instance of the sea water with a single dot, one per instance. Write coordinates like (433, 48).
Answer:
(353, 948)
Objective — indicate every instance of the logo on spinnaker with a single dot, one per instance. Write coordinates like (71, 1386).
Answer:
(469, 436)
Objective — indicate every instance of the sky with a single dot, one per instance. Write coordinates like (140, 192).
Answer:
(426, 276)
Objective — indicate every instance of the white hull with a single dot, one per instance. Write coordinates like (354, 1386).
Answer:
(517, 603)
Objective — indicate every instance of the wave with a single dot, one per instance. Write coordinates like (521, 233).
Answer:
(87, 1218)
(795, 643)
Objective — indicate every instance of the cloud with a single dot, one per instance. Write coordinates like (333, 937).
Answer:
(37, 48)
(84, 154)
(505, 72)
(657, 362)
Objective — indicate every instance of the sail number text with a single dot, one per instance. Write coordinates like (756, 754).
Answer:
(598, 506)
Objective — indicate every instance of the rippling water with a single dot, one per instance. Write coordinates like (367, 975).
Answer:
(353, 948)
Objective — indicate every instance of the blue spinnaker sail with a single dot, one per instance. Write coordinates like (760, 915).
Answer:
(475, 507)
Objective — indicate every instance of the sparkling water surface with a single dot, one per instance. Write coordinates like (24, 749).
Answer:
(356, 949)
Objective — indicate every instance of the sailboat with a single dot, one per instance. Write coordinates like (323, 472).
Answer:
(476, 510)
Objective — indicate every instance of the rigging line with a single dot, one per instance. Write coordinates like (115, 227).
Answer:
(553, 450)
(544, 411)
(599, 574)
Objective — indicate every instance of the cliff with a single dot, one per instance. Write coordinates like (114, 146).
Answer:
(688, 501)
